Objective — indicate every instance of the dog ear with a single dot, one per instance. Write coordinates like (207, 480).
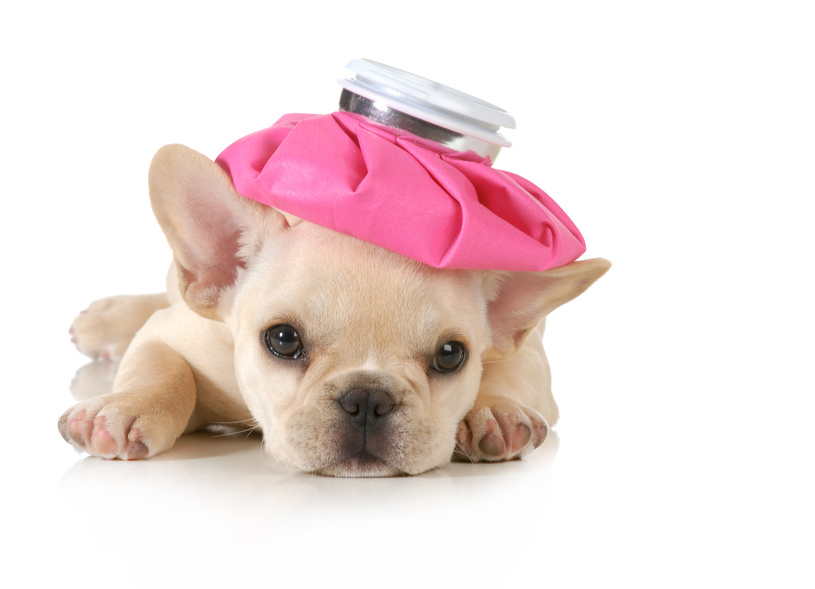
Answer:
(521, 299)
(203, 218)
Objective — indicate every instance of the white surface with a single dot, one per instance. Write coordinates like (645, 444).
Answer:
(679, 139)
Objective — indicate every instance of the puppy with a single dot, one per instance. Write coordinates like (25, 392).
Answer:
(351, 359)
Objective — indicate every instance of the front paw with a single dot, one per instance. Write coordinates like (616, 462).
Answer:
(499, 429)
(107, 427)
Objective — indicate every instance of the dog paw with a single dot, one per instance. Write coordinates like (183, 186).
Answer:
(107, 428)
(105, 329)
(500, 429)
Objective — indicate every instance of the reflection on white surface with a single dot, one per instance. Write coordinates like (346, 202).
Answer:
(93, 379)
(201, 468)
(220, 499)
(217, 510)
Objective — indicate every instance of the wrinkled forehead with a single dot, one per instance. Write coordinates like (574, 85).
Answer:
(337, 283)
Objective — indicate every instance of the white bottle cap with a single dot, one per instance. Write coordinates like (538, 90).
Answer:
(383, 93)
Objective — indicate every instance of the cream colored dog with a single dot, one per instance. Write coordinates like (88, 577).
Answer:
(353, 360)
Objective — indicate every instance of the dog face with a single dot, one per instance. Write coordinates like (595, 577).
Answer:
(355, 361)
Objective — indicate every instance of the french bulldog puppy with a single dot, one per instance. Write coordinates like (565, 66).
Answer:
(352, 360)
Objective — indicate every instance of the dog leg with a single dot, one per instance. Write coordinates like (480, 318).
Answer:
(106, 328)
(514, 408)
(153, 400)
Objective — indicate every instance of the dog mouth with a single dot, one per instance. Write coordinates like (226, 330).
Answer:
(361, 464)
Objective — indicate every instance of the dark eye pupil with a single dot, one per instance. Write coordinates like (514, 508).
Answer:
(450, 357)
(283, 340)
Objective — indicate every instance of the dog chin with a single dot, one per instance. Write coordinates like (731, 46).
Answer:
(360, 465)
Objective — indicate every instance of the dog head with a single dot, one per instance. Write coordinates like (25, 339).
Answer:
(354, 360)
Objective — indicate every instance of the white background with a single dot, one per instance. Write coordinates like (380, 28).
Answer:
(679, 138)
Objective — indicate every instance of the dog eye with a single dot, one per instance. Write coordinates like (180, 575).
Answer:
(284, 341)
(450, 357)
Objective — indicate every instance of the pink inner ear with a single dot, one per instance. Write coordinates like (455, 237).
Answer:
(525, 298)
(512, 316)
(203, 218)
(210, 265)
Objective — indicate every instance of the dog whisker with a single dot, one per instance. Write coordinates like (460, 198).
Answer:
(460, 451)
(221, 429)
(247, 431)
(239, 422)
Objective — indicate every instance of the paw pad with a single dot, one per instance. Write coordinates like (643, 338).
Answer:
(502, 430)
(109, 436)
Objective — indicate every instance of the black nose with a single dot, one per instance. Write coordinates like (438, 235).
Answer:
(366, 407)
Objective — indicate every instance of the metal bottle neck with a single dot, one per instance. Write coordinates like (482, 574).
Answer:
(381, 113)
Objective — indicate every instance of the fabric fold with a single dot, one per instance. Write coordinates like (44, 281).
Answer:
(398, 191)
